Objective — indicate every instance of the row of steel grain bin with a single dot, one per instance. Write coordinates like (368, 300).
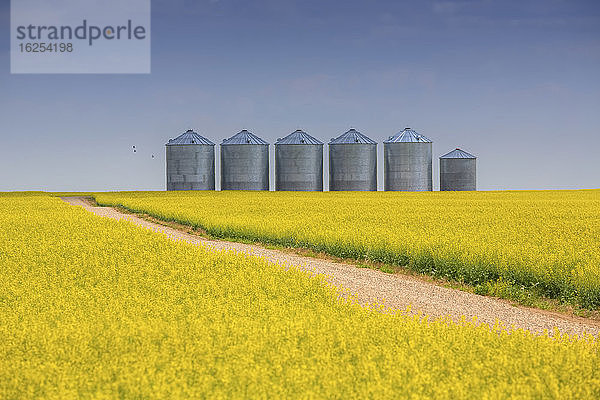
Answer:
(299, 163)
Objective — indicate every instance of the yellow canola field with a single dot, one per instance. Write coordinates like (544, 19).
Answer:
(544, 242)
(95, 308)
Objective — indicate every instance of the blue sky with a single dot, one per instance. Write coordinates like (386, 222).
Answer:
(516, 83)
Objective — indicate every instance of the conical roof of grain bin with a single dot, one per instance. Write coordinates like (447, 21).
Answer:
(298, 137)
(458, 153)
(352, 136)
(189, 137)
(407, 135)
(244, 137)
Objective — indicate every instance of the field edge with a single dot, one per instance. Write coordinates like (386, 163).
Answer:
(515, 293)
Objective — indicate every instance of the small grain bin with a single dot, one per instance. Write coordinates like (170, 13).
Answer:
(408, 162)
(352, 162)
(299, 162)
(190, 162)
(458, 171)
(244, 162)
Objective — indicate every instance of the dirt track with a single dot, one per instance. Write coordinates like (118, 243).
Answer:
(394, 290)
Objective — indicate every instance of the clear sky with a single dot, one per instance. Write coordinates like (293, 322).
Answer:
(516, 83)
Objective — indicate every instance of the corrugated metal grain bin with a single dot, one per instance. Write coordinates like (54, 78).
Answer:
(458, 171)
(408, 164)
(244, 162)
(352, 162)
(299, 162)
(190, 162)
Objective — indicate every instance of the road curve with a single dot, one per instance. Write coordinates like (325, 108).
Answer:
(373, 286)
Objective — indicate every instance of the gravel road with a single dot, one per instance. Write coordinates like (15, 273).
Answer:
(393, 290)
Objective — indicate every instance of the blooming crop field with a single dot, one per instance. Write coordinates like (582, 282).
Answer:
(544, 241)
(92, 307)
